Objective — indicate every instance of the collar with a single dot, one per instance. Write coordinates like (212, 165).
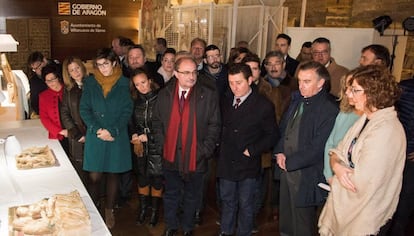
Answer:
(180, 91)
(327, 64)
(311, 100)
(242, 98)
(200, 65)
(275, 82)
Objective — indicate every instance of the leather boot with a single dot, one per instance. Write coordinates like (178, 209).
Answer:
(155, 211)
(142, 210)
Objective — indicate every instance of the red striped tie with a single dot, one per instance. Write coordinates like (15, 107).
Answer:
(237, 103)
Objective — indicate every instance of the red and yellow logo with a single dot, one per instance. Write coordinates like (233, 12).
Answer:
(64, 8)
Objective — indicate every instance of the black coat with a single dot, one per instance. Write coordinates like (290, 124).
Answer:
(37, 85)
(72, 121)
(207, 115)
(70, 116)
(405, 108)
(151, 69)
(318, 119)
(291, 66)
(222, 83)
(141, 123)
(253, 126)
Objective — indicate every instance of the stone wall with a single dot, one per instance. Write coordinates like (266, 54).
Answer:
(356, 14)
(32, 35)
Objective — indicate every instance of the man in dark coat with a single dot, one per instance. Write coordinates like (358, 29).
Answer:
(136, 58)
(405, 208)
(214, 68)
(249, 129)
(305, 128)
(36, 61)
(283, 42)
(187, 125)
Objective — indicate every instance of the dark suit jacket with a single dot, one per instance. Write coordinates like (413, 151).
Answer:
(291, 65)
(318, 118)
(405, 108)
(220, 78)
(253, 126)
(207, 115)
(151, 69)
(37, 85)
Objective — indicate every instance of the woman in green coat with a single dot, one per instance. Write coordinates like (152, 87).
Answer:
(106, 108)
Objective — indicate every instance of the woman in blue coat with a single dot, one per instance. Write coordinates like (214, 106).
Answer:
(106, 108)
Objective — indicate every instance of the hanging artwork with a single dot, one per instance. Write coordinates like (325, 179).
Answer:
(152, 19)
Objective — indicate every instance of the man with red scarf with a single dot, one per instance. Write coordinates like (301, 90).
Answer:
(187, 125)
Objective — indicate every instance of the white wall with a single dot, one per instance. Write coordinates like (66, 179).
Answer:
(346, 43)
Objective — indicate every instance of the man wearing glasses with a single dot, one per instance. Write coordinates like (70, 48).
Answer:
(321, 52)
(36, 61)
(186, 121)
(282, 83)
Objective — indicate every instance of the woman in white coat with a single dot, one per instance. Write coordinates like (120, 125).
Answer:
(368, 162)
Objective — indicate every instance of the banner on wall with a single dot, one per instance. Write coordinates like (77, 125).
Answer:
(83, 10)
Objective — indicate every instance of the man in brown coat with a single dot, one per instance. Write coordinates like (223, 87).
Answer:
(321, 52)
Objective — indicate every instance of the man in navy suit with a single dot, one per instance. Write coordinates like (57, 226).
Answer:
(249, 129)
(282, 44)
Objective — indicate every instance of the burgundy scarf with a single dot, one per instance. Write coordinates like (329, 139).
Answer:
(187, 122)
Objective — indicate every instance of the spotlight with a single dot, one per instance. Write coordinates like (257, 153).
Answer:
(408, 24)
(381, 23)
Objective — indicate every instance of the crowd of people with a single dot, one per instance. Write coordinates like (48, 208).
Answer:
(328, 143)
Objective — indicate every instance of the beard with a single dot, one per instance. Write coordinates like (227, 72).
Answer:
(214, 65)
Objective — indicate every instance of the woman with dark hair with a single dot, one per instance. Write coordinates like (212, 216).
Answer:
(147, 151)
(368, 162)
(49, 105)
(73, 73)
(106, 108)
(167, 64)
(237, 55)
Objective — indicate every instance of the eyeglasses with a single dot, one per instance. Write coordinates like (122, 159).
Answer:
(355, 91)
(48, 81)
(316, 53)
(103, 65)
(186, 73)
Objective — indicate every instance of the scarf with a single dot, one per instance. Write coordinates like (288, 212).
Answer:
(187, 122)
(107, 82)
